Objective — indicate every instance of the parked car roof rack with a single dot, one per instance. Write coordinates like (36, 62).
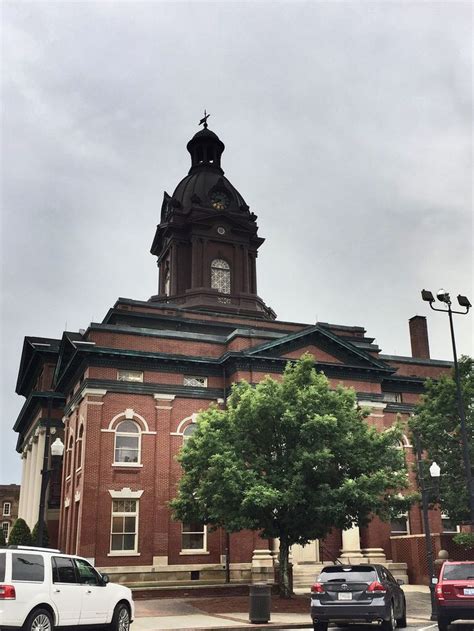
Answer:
(36, 548)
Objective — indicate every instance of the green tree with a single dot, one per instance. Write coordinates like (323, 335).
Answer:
(20, 534)
(34, 535)
(437, 423)
(3, 543)
(290, 459)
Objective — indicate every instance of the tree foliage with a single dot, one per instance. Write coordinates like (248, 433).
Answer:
(291, 459)
(3, 543)
(437, 423)
(20, 534)
(45, 538)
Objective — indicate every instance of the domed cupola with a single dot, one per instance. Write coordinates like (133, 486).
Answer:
(206, 149)
(207, 240)
(205, 185)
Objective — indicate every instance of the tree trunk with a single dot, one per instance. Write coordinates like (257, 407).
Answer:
(284, 579)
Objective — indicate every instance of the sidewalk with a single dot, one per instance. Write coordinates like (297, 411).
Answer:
(190, 613)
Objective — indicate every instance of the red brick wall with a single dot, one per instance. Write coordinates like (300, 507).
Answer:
(412, 550)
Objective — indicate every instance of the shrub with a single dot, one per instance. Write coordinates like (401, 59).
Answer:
(20, 534)
(45, 539)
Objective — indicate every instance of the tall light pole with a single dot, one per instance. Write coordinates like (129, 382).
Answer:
(435, 472)
(57, 450)
(443, 296)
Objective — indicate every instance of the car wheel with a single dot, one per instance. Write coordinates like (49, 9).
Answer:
(320, 626)
(390, 624)
(402, 621)
(443, 624)
(121, 618)
(39, 620)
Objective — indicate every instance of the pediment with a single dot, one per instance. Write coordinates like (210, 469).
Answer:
(319, 354)
(325, 346)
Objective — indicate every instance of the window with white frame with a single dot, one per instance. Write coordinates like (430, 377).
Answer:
(220, 276)
(124, 529)
(196, 382)
(130, 375)
(79, 448)
(392, 397)
(7, 507)
(400, 525)
(189, 430)
(448, 524)
(127, 443)
(5, 529)
(193, 536)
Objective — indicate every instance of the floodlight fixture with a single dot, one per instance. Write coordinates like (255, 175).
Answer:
(464, 302)
(443, 296)
(427, 296)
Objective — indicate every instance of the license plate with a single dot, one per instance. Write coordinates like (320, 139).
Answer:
(469, 591)
(344, 596)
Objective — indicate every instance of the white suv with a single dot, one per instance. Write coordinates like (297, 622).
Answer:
(41, 589)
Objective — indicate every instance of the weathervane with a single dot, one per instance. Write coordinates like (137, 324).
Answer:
(203, 121)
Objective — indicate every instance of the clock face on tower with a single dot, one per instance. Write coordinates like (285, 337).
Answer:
(220, 200)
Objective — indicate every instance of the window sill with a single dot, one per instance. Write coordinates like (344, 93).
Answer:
(194, 552)
(124, 553)
(127, 465)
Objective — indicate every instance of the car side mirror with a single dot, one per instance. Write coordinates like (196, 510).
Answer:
(400, 581)
(105, 579)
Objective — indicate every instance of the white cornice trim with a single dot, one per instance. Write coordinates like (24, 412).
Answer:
(95, 392)
(125, 494)
(164, 397)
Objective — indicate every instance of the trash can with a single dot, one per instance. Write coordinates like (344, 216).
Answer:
(260, 598)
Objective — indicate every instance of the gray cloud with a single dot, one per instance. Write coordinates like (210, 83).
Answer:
(347, 129)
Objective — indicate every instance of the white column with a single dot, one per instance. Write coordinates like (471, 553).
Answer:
(23, 481)
(31, 488)
(28, 498)
(37, 477)
(351, 552)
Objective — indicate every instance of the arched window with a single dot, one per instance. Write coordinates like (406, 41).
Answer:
(69, 452)
(220, 276)
(127, 442)
(189, 431)
(79, 448)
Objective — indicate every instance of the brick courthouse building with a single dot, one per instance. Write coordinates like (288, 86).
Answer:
(124, 394)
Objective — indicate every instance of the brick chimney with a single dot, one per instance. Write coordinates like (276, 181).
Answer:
(420, 346)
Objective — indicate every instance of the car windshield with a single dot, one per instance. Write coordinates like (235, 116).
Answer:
(458, 572)
(348, 575)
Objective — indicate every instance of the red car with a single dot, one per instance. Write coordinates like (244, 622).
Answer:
(455, 593)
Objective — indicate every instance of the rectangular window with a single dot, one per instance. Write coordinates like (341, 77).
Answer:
(448, 524)
(195, 382)
(63, 570)
(392, 397)
(87, 574)
(7, 507)
(27, 567)
(193, 536)
(400, 525)
(130, 375)
(3, 557)
(5, 528)
(123, 536)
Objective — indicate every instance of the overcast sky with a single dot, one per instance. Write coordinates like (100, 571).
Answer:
(347, 128)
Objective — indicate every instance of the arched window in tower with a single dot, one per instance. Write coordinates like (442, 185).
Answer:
(167, 279)
(220, 276)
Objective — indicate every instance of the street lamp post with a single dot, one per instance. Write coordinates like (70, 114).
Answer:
(57, 450)
(434, 473)
(443, 296)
